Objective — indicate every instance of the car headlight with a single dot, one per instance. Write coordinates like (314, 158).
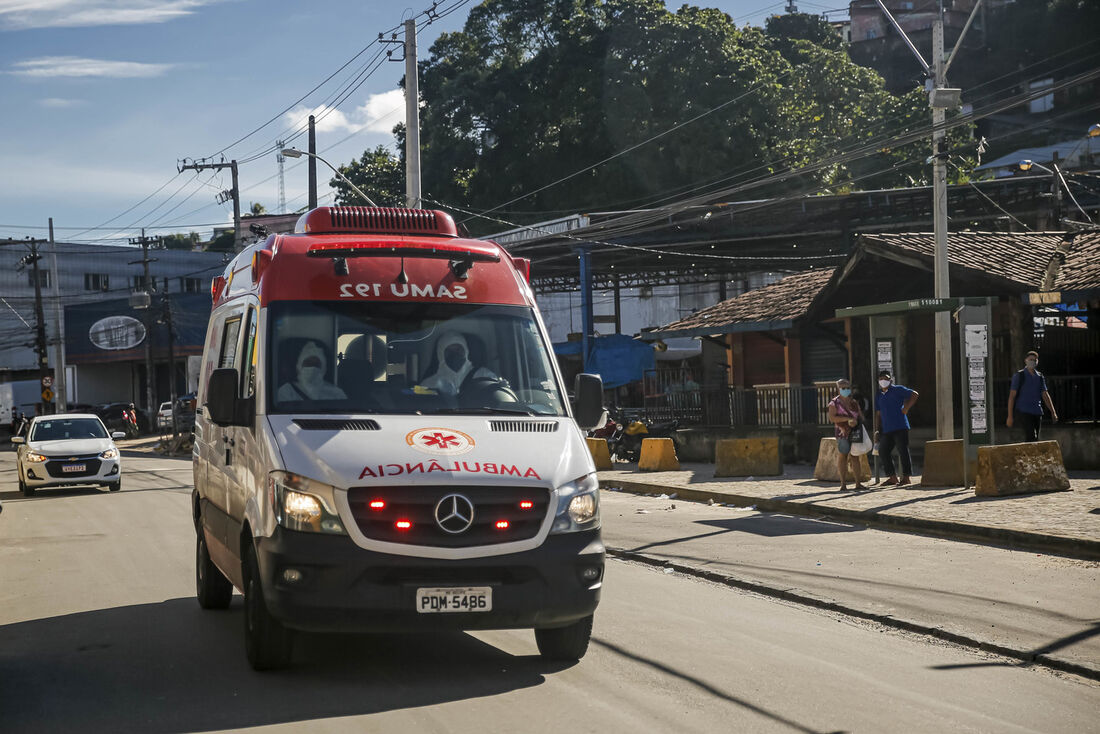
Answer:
(109, 454)
(578, 506)
(34, 458)
(303, 504)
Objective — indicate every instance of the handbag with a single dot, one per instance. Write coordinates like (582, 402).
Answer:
(860, 439)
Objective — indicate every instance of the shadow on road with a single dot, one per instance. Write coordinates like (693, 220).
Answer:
(1054, 646)
(778, 526)
(171, 667)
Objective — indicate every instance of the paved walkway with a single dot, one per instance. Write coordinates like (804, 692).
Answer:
(1061, 522)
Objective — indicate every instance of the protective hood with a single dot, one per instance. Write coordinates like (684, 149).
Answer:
(448, 377)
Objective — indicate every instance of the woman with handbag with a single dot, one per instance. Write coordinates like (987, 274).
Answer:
(847, 419)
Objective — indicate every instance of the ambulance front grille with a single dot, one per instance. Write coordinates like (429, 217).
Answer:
(524, 426)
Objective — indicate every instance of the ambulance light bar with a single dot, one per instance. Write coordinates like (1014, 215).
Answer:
(440, 251)
(376, 220)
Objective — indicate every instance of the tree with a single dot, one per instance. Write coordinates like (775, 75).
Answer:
(255, 208)
(783, 30)
(179, 241)
(223, 242)
(378, 173)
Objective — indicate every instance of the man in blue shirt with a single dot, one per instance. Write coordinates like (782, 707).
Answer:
(1027, 395)
(892, 404)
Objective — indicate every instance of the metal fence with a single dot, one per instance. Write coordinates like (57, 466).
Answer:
(1076, 398)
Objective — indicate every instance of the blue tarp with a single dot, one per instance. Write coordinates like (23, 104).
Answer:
(617, 358)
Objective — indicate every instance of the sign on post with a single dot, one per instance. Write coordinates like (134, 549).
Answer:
(974, 348)
(47, 395)
(47, 382)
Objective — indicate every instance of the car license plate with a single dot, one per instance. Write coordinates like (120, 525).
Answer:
(450, 599)
(74, 468)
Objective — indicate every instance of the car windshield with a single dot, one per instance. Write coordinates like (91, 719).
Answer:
(409, 358)
(59, 429)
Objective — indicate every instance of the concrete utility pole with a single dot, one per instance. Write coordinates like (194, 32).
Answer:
(60, 377)
(147, 284)
(39, 318)
(940, 98)
(234, 193)
(412, 119)
(312, 165)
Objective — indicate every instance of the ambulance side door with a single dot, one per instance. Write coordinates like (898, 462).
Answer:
(246, 474)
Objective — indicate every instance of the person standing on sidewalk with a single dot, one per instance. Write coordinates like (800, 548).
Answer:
(892, 404)
(845, 414)
(1026, 395)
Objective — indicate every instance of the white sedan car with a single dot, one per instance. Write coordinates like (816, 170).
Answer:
(67, 449)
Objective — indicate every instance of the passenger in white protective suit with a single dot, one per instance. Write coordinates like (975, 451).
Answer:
(309, 382)
(455, 367)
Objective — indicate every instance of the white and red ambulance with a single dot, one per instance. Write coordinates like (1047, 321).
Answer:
(385, 442)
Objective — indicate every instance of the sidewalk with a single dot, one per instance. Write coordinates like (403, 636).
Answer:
(1066, 523)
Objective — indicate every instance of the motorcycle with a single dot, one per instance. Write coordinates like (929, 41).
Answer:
(626, 442)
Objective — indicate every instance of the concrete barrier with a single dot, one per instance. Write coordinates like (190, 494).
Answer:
(826, 471)
(943, 464)
(601, 455)
(1020, 468)
(747, 457)
(658, 454)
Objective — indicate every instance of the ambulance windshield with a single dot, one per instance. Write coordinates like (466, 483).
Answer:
(410, 358)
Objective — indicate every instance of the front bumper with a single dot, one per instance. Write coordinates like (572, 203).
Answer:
(52, 474)
(345, 588)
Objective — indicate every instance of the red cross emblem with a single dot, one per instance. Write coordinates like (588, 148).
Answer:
(440, 441)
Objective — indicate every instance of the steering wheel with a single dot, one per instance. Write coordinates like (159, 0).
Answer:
(486, 389)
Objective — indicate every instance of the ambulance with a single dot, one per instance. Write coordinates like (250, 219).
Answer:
(384, 441)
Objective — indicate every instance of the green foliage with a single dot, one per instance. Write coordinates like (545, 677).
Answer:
(378, 173)
(222, 243)
(179, 241)
(531, 91)
(255, 208)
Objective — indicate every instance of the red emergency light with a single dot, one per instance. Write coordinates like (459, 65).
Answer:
(260, 260)
(502, 524)
(526, 505)
(376, 220)
(217, 285)
(403, 525)
(377, 504)
(523, 265)
(469, 251)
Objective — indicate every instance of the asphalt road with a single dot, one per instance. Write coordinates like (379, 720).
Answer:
(99, 631)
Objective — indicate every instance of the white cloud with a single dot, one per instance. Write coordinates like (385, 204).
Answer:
(74, 66)
(59, 103)
(378, 114)
(22, 14)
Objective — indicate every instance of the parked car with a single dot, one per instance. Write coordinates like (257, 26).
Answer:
(164, 415)
(67, 449)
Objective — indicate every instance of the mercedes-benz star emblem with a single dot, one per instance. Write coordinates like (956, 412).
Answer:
(454, 513)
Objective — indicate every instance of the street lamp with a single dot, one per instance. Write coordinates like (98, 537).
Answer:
(295, 153)
(1027, 164)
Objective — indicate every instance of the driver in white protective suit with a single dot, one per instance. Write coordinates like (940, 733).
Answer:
(455, 366)
(309, 382)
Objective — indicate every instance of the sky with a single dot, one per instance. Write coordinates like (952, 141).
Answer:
(102, 98)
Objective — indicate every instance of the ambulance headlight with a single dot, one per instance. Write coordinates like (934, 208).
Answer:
(303, 504)
(578, 506)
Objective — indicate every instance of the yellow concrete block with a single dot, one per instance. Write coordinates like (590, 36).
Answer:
(1020, 468)
(943, 464)
(658, 454)
(601, 456)
(747, 457)
(826, 469)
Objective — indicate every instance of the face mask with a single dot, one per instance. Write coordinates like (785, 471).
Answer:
(309, 375)
(884, 384)
(1031, 363)
(846, 391)
(455, 357)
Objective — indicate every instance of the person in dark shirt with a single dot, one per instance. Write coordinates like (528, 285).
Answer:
(1026, 396)
(892, 404)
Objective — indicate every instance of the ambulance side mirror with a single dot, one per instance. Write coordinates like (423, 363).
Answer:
(588, 401)
(223, 405)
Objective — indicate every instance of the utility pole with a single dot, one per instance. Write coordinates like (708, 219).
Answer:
(40, 319)
(144, 303)
(940, 98)
(312, 163)
(412, 119)
(233, 193)
(60, 377)
(282, 184)
(166, 314)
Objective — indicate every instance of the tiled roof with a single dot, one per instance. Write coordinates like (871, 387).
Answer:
(1081, 270)
(1021, 258)
(783, 301)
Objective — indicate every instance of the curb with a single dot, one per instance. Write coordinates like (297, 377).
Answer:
(1026, 657)
(1082, 549)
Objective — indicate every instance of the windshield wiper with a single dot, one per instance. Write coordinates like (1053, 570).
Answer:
(483, 411)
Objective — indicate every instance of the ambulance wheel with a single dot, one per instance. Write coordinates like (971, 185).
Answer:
(213, 590)
(565, 643)
(267, 643)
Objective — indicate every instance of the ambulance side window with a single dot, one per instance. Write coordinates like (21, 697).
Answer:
(248, 358)
(228, 354)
